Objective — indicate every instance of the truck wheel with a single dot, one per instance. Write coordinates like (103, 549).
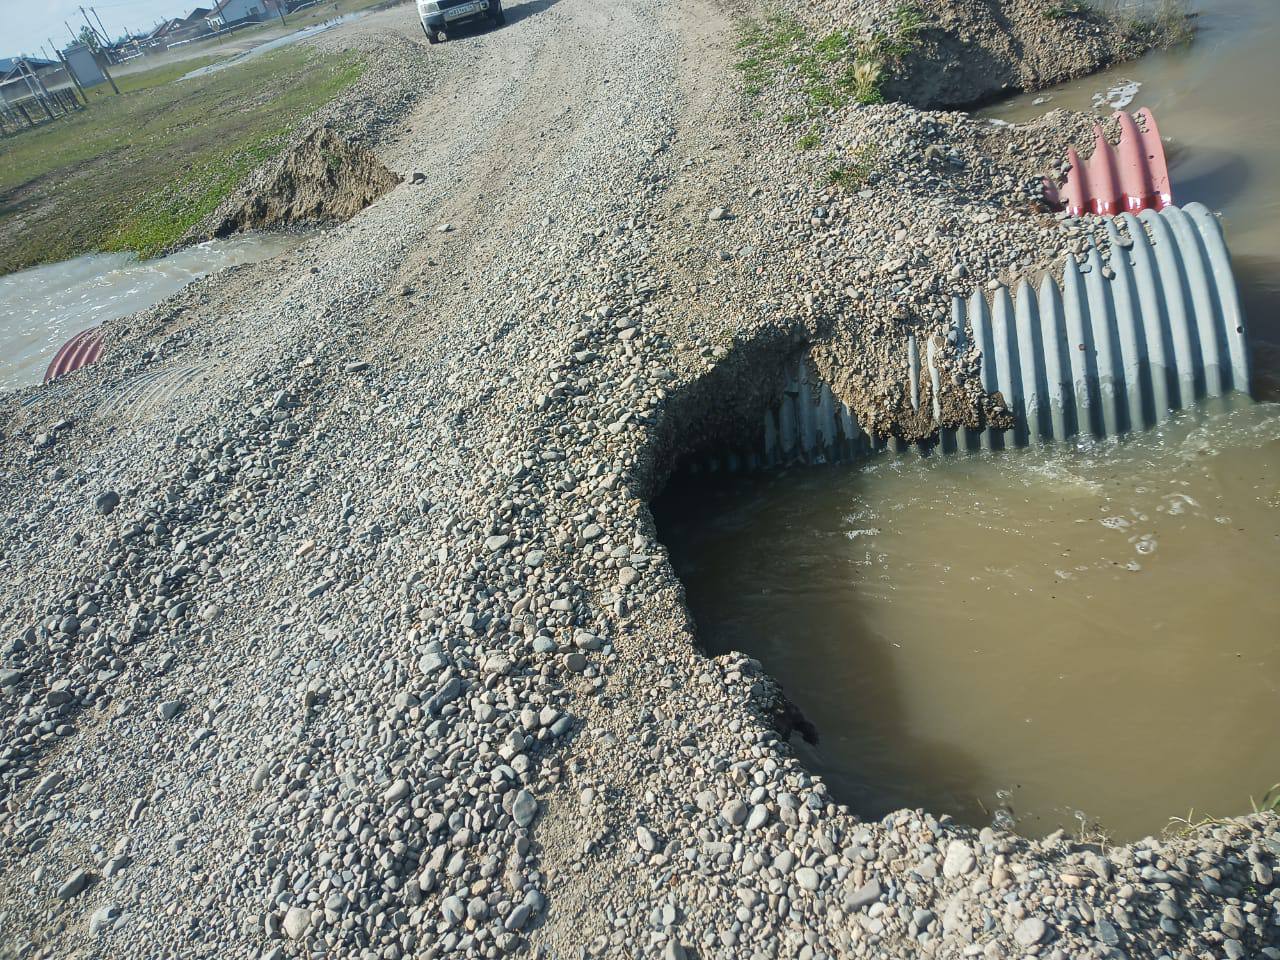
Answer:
(500, 18)
(433, 36)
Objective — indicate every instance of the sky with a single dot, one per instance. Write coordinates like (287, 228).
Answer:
(26, 25)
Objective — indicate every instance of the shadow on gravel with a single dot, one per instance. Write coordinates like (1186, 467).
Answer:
(522, 11)
(514, 13)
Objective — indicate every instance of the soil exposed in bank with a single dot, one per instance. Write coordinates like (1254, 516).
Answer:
(371, 648)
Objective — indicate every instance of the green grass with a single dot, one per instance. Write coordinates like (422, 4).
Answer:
(833, 70)
(809, 141)
(135, 172)
(1065, 8)
(854, 173)
(1161, 24)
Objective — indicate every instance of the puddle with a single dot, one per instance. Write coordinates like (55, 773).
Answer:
(1022, 638)
(42, 308)
(289, 38)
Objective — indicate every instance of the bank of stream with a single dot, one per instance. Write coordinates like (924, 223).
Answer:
(1078, 637)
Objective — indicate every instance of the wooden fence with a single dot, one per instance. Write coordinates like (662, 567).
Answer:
(16, 116)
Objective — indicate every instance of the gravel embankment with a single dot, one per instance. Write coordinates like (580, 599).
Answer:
(349, 635)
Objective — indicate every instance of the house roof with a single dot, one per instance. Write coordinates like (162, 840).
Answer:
(220, 6)
(9, 64)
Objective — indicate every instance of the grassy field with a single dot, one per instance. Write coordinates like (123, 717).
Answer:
(134, 172)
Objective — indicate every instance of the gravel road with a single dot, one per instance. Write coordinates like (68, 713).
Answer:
(333, 619)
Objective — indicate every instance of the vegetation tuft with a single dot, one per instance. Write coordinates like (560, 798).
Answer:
(854, 173)
(834, 70)
(1164, 23)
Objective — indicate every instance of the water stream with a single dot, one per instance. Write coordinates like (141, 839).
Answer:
(42, 308)
(288, 39)
(1055, 638)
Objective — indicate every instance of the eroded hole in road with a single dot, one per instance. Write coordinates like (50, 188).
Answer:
(1034, 639)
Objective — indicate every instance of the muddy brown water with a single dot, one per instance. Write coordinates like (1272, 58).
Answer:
(1084, 635)
(1033, 639)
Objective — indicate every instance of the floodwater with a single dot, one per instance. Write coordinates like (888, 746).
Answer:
(1031, 638)
(289, 38)
(42, 308)
(1079, 636)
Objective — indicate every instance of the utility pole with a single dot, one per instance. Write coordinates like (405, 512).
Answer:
(280, 10)
(99, 19)
(70, 73)
(94, 30)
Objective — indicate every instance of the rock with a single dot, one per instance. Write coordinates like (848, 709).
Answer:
(73, 885)
(958, 861)
(648, 843)
(717, 213)
(297, 922)
(170, 709)
(1105, 931)
(867, 894)
(587, 641)
(734, 812)
(453, 910)
(808, 878)
(102, 918)
(355, 366)
(496, 542)
(48, 785)
(106, 502)
(524, 808)
(674, 951)
(396, 792)
(758, 817)
(1030, 931)
(433, 661)
(518, 917)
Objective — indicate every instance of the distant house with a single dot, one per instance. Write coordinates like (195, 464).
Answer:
(15, 71)
(229, 12)
(194, 24)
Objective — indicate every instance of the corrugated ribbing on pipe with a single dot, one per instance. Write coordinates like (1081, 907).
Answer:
(808, 425)
(1105, 355)
(1128, 177)
(80, 351)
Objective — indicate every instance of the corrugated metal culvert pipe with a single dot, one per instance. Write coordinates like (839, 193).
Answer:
(80, 351)
(1112, 347)
(1118, 345)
